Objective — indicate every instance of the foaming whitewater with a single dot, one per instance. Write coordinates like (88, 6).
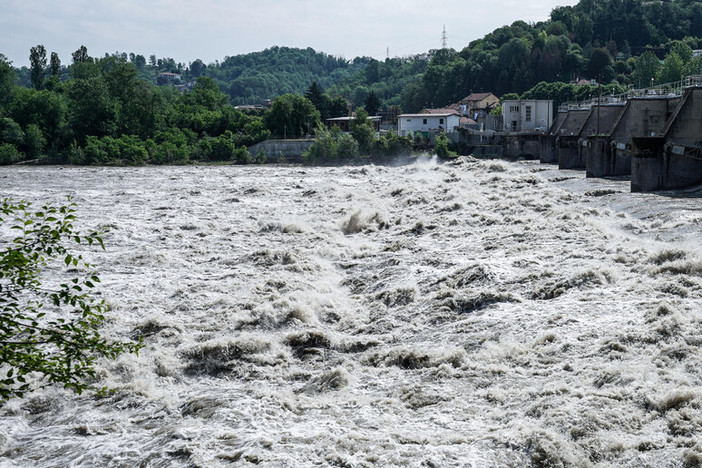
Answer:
(478, 313)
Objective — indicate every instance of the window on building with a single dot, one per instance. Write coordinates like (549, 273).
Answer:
(441, 121)
(514, 108)
(409, 120)
(424, 121)
(527, 116)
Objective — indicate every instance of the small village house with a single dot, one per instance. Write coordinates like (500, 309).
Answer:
(344, 123)
(167, 78)
(477, 106)
(429, 121)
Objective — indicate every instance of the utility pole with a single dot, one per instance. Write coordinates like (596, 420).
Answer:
(599, 104)
(444, 38)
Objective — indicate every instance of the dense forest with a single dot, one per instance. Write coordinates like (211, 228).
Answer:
(106, 114)
(110, 109)
(618, 42)
(254, 77)
(248, 79)
(103, 111)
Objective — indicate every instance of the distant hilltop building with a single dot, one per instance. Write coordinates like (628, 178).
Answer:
(168, 78)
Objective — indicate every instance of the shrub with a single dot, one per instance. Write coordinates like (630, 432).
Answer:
(9, 154)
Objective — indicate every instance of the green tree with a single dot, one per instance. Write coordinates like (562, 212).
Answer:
(442, 147)
(11, 132)
(599, 60)
(372, 103)
(81, 55)
(323, 150)
(49, 330)
(7, 83)
(197, 68)
(55, 64)
(34, 141)
(9, 154)
(91, 109)
(83, 65)
(645, 69)
(292, 116)
(37, 65)
(315, 94)
(683, 50)
(338, 107)
(672, 69)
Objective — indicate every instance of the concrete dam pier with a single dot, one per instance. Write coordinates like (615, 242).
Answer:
(673, 159)
(656, 139)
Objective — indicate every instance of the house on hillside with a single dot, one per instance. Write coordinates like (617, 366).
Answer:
(168, 78)
(344, 123)
(429, 121)
(527, 115)
(477, 106)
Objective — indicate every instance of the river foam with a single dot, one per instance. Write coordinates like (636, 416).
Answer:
(476, 313)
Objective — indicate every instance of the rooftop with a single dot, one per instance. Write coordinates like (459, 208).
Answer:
(446, 114)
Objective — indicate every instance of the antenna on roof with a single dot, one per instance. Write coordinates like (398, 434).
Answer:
(444, 38)
(388, 52)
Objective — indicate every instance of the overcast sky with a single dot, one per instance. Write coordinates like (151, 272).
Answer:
(212, 29)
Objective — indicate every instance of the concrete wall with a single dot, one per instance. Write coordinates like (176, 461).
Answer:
(673, 160)
(685, 126)
(572, 142)
(548, 151)
(656, 165)
(601, 158)
(557, 122)
(572, 122)
(569, 154)
(522, 147)
(291, 150)
(641, 117)
(594, 140)
(508, 146)
(601, 120)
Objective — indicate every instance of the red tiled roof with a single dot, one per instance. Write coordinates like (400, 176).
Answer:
(445, 110)
(475, 97)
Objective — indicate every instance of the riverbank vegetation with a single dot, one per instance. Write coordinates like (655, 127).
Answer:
(49, 327)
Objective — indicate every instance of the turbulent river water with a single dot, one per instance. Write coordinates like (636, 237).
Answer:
(477, 313)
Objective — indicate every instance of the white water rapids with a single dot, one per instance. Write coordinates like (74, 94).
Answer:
(479, 313)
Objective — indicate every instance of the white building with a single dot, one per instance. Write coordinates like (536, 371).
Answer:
(527, 115)
(445, 122)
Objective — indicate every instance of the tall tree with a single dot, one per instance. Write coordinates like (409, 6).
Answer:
(599, 60)
(645, 69)
(372, 103)
(315, 94)
(37, 65)
(672, 69)
(81, 55)
(7, 82)
(197, 68)
(55, 64)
